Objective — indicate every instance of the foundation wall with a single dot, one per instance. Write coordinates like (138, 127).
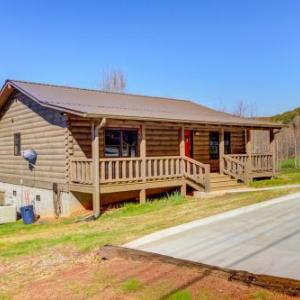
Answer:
(42, 200)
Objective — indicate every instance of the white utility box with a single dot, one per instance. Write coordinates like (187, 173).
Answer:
(8, 214)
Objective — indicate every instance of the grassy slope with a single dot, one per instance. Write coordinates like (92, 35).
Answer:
(117, 226)
(286, 117)
(288, 176)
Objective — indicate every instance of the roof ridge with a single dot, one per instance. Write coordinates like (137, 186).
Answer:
(98, 91)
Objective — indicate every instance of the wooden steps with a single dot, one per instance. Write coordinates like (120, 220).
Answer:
(220, 182)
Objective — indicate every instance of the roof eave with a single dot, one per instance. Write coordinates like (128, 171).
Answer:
(57, 107)
(7, 90)
(262, 125)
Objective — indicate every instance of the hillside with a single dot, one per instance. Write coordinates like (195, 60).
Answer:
(286, 117)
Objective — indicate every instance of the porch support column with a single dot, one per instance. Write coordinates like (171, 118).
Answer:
(143, 163)
(96, 174)
(221, 151)
(182, 155)
(273, 151)
(95, 156)
(248, 139)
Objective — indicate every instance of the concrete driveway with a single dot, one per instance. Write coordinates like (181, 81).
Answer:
(262, 238)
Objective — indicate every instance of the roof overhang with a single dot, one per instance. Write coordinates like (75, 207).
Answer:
(264, 126)
(9, 87)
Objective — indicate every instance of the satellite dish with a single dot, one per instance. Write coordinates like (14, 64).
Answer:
(31, 156)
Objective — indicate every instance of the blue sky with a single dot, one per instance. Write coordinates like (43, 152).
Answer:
(214, 52)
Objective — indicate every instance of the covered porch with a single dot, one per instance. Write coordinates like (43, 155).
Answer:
(104, 175)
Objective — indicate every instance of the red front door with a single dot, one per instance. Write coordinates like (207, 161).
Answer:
(188, 143)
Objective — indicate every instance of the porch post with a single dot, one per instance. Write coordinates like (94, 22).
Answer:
(95, 156)
(221, 151)
(182, 155)
(143, 163)
(248, 138)
(273, 151)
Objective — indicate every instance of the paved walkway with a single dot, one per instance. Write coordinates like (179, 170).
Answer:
(262, 238)
(244, 190)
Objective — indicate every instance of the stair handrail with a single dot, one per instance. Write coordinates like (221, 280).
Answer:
(234, 167)
(197, 171)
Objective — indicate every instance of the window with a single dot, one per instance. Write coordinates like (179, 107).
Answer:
(121, 142)
(214, 145)
(17, 144)
(227, 143)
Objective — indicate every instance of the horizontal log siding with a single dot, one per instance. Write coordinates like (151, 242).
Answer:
(201, 149)
(238, 144)
(201, 146)
(41, 129)
(81, 139)
(80, 142)
(162, 141)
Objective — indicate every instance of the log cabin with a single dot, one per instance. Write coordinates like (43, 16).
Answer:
(95, 147)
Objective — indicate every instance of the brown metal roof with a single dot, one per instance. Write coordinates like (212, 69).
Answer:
(95, 103)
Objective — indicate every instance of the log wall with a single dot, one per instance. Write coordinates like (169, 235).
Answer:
(201, 145)
(163, 141)
(43, 130)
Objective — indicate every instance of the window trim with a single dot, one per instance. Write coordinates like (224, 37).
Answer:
(121, 129)
(17, 144)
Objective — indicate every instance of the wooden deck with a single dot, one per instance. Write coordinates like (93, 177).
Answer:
(129, 174)
(246, 167)
(125, 174)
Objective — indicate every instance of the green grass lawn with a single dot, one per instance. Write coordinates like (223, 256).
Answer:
(286, 176)
(118, 226)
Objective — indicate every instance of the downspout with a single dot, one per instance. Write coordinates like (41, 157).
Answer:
(96, 170)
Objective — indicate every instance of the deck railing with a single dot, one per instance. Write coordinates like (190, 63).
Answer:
(81, 171)
(120, 170)
(137, 169)
(235, 166)
(262, 162)
(198, 172)
(243, 167)
(163, 167)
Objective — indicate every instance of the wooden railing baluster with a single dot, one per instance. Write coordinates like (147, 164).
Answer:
(118, 170)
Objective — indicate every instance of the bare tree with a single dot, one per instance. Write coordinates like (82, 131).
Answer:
(114, 80)
(252, 110)
(222, 106)
(240, 109)
(243, 109)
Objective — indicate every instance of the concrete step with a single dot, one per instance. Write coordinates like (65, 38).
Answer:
(229, 188)
(232, 186)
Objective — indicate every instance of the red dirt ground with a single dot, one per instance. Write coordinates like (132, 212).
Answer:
(95, 279)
